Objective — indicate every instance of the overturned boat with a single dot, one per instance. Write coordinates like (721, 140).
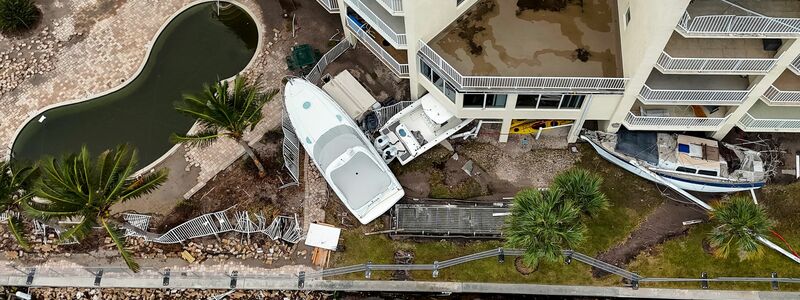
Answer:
(688, 162)
(416, 129)
(344, 156)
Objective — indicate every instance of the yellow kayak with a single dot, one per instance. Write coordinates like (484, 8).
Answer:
(532, 126)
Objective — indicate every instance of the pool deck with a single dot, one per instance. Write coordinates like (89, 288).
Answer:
(94, 48)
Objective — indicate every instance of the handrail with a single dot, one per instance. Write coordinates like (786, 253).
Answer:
(733, 25)
(395, 7)
(399, 69)
(795, 66)
(509, 82)
(708, 123)
(332, 6)
(668, 63)
(316, 72)
(748, 121)
(777, 96)
(397, 38)
(649, 95)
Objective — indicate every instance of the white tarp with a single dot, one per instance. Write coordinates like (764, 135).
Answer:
(349, 94)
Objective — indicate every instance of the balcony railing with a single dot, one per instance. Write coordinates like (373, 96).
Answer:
(395, 7)
(774, 96)
(750, 123)
(743, 66)
(697, 97)
(795, 66)
(397, 39)
(732, 25)
(599, 84)
(401, 70)
(673, 123)
(332, 6)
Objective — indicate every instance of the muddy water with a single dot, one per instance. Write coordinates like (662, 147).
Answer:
(196, 48)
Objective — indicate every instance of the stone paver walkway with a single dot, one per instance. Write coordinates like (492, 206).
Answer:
(316, 195)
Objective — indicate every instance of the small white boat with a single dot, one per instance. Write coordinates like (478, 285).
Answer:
(344, 156)
(690, 163)
(416, 129)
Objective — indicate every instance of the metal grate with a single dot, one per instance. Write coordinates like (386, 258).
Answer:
(448, 220)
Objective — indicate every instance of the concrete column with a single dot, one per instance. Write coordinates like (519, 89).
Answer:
(504, 130)
(575, 130)
(788, 52)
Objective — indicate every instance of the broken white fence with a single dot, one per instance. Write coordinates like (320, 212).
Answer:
(282, 227)
(316, 72)
(291, 151)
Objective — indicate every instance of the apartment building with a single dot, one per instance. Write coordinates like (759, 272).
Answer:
(667, 65)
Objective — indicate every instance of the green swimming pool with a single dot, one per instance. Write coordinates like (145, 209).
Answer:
(195, 48)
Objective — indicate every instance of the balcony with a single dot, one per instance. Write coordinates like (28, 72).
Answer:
(784, 91)
(332, 6)
(764, 118)
(748, 18)
(391, 27)
(676, 118)
(795, 66)
(715, 56)
(694, 89)
(394, 7)
(400, 69)
(492, 46)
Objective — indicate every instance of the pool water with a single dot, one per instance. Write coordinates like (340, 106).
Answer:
(197, 47)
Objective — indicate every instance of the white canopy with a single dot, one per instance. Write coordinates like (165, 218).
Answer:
(323, 236)
(349, 94)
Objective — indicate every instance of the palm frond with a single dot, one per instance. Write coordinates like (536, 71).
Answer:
(201, 139)
(15, 226)
(143, 185)
(78, 231)
(583, 189)
(739, 221)
(119, 241)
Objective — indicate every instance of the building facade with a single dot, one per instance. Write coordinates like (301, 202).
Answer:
(666, 65)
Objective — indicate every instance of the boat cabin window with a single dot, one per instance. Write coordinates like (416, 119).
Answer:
(686, 170)
(707, 172)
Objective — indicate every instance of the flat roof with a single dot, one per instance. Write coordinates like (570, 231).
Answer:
(527, 38)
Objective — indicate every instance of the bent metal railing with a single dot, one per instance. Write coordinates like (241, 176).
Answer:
(687, 123)
(700, 97)
(332, 6)
(750, 123)
(316, 72)
(733, 25)
(669, 64)
(399, 39)
(462, 82)
(401, 70)
(774, 95)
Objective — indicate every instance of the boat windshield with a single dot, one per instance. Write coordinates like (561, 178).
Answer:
(333, 143)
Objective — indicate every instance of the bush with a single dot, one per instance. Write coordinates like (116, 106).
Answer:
(18, 15)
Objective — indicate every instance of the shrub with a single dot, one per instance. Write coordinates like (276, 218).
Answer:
(18, 15)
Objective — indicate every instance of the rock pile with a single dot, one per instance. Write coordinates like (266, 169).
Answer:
(147, 294)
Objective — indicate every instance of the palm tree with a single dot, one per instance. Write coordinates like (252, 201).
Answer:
(543, 224)
(83, 189)
(15, 186)
(739, 222)
(226, 113)
(583, 189)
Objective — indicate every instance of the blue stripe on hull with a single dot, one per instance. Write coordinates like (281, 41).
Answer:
(754, 185)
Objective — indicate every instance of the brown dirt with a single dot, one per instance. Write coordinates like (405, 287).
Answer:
(240, 185)
(663, 224)
(522, 268)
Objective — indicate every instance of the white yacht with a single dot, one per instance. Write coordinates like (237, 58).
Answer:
(345, 157)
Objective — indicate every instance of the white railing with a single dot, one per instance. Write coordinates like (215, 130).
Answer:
(732, 25)
(775, 96)
(700, 97)
(748, 122)
(795, 66)
(501, 82)
(669, 64)
(398, 39)
(400, 69)
(332, 6)
(394, 7)
(316, 72)
(686, 123)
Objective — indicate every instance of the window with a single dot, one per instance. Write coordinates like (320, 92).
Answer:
(549, 101)
(450, 92)
(572, 101)
(474, 100)
(707, 172)
(627, 16)
(686, 170)
(458, 2)
(527, 101)
(437, 81)
(425, 69)
(485, 100)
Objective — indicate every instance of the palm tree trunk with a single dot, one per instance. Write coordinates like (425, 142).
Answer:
(261, 171)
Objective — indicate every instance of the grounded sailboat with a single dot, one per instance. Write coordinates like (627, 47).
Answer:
(345, 157)
(688, 162)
